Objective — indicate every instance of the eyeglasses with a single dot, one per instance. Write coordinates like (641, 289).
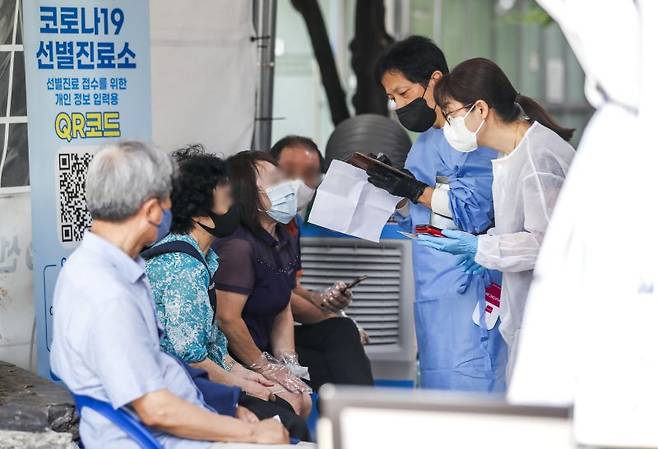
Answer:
(447, 115)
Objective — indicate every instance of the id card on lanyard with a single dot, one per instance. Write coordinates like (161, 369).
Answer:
(491, 307)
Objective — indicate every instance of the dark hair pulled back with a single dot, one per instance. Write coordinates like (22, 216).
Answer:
(481, 79)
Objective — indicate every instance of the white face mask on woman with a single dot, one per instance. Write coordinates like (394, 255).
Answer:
(459, 136)
(284, 202)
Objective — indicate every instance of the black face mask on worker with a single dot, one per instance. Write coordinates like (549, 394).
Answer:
(417, 116)
(225, 224)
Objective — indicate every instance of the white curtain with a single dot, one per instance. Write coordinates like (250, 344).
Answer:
(203, 73)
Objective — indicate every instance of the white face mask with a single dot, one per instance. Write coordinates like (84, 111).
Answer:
(284, 202)
(303, 193)
(459, 136)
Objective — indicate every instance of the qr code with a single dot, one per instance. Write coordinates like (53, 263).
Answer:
(74, 218)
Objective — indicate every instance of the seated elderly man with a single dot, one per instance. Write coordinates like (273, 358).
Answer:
(106, 336)
(327, 341)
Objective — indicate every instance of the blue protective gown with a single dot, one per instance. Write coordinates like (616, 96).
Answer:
(454, 353)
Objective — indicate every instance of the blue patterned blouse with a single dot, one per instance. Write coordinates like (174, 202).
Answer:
(180, 290)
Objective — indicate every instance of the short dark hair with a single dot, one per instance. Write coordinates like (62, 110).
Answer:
(415, 57)
(296, 141)
(192, 194)
(242, 170)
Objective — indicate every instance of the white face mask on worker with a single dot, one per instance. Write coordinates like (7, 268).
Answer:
(459, 136)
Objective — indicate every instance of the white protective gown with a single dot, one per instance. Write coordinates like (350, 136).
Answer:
(589, 334)
(526, 185)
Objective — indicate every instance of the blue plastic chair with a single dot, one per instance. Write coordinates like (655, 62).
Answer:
(119, 417)
(312, 420)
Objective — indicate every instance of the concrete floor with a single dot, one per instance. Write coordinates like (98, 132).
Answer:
(34, 412)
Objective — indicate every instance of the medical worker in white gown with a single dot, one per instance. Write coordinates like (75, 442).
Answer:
(589, 336)
(482, 108)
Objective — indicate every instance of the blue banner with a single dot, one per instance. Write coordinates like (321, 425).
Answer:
(87, 68)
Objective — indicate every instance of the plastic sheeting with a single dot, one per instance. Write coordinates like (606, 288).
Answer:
(14, 170)
(203, 74)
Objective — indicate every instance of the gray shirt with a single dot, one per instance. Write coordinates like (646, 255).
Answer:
(106, 341)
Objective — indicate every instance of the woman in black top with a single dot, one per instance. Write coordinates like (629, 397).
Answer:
(257, 274)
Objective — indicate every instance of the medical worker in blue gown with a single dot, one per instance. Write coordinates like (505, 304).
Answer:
(450, 190)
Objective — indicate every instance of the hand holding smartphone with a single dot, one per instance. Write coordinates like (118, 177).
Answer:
(423, 230)
(339, 296)
(356, 282)
(429, 230)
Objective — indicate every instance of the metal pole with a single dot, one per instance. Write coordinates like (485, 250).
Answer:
(437, 17)
(265, 26)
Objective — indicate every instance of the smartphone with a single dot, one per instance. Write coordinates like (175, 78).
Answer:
(408, 235)
(356, 281)
(429, 230)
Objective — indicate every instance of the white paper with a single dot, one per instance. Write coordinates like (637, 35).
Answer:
(346, 202)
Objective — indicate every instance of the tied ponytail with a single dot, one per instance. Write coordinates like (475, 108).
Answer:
(537, 113)
(481, 79)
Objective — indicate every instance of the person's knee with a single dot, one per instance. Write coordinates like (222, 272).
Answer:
(344, 329)
(307, 405)
(300, 402)
(304, 404)
(293, 399)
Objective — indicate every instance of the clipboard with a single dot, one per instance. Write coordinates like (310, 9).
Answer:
(366, 163)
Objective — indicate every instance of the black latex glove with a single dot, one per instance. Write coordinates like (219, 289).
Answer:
(381, 157)
(397, 185)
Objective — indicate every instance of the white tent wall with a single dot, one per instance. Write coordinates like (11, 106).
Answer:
(203, 74)
(16, 310)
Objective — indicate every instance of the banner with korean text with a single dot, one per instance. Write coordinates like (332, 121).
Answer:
(87, 67)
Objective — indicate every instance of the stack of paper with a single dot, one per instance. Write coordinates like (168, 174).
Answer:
(346, 202)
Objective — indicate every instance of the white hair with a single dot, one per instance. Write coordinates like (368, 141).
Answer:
(123, 175)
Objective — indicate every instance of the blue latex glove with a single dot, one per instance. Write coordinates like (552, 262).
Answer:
(470, 265)
(454, 242)
(471, 268)
(465, 283)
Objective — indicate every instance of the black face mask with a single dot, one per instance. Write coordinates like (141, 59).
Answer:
(417, 116)
(225, 224)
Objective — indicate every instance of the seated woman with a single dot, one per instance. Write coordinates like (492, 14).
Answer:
(258, 271)
(180, 269)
